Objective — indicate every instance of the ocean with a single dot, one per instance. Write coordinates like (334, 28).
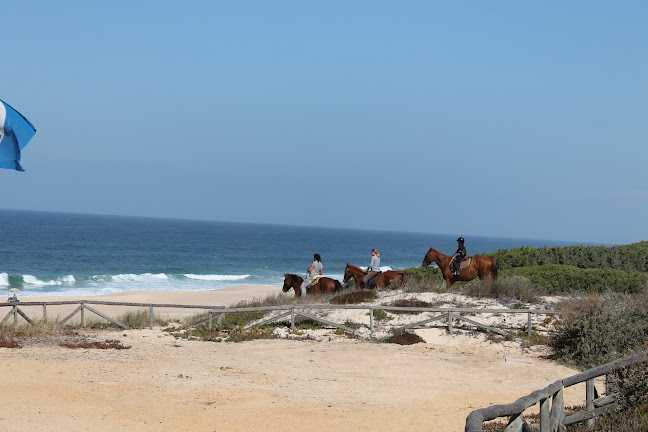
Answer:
(57, 254)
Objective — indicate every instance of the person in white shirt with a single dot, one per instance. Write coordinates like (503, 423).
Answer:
(316, 268)
(373, 269)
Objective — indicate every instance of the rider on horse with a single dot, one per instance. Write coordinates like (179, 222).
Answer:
(458, 256)
(373, 269)
(316, 269)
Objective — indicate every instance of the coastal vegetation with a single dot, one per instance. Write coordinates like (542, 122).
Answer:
(561, 270)
(625, 257)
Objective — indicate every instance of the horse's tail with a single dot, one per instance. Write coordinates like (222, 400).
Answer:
(403, 277)
(338, 285)
(493, 268)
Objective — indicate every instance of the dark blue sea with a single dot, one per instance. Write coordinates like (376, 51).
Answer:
(51, 254)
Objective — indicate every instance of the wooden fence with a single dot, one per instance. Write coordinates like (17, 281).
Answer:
(449, 315)
(553, 419)
(17, 310)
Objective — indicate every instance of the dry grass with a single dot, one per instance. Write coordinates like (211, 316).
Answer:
(108, 344)
(411, 303)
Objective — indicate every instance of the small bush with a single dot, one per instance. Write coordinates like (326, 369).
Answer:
(379, 315)
(535, 339)
(403, 337)
(240, 335)
(9, 344)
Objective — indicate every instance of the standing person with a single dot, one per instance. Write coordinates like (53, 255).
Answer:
(373, 269)
(458, 256)
(316, 268)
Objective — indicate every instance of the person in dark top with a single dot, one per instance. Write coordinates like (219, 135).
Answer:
(458, 256)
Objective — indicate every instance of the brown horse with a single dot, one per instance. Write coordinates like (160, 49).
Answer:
(389, 278)
(479, 266)
(322, 285)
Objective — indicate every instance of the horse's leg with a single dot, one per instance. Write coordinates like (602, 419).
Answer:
(326, 287)
(317, 288)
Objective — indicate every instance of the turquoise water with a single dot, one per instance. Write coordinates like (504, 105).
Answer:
(53, 254)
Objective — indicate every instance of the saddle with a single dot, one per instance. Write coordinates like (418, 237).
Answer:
(371, 283)
(314, 280)
(465, 262)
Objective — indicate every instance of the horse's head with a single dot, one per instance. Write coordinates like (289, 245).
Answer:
(347, 274)
(287, 282)
(429, 257)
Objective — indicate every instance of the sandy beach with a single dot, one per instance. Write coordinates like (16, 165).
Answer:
(288, 384)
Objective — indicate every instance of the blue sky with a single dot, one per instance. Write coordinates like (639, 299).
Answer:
(506, 119)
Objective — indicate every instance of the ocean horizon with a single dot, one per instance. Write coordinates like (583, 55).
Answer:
(72, 254)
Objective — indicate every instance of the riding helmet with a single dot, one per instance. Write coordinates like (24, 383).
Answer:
(460, 239)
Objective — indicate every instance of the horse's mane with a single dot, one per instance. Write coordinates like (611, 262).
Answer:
(442, 254)
(294, 276)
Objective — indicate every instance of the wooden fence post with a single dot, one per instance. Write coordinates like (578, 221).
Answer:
(589, 399)
(292, 319)
(150, 317)
(557, 414)
(210, 320)
(529, 324)
(544, 415)
(450, 322)
(371, 320)
(82, 314)
(44, 312)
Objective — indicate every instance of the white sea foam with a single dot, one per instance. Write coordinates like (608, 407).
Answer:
(33, 280)
(130, 277)
(217, 277)
(4, 279)
(382, 268)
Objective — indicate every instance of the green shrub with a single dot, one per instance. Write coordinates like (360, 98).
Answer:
(514, 288)
(633, 386)
(631, 257)
(593, 330)
(557, 279)
(429, 275)
(379, 315)
(632, 420)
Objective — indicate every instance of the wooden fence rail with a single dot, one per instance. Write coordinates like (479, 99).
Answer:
(448, 314)
(553, 419)
(83, 306)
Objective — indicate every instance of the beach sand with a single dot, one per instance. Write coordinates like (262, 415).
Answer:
(328, 384)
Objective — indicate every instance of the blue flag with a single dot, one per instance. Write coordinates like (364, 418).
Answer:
(15, 133)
